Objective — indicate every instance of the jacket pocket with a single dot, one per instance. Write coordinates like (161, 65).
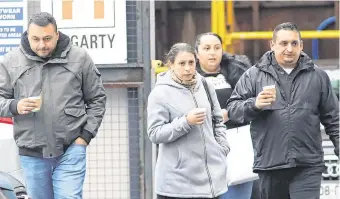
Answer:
(70, 124)
(309, 137)
(75, 112)
(306, 110)
(26, 133)
(70, 119)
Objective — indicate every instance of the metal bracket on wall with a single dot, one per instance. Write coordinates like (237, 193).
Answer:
(124, 74)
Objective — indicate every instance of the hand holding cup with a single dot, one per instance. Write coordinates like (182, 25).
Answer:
(27, 105)
(196, 116)
(266, 97)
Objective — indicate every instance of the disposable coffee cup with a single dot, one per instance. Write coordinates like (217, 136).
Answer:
(270, 88)
(37, 99)
(201, 110)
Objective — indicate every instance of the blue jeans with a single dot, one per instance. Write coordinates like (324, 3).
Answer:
(239, 191)
(56, 178)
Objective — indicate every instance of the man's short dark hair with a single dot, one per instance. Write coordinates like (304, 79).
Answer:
(286, 26)
(43, 19)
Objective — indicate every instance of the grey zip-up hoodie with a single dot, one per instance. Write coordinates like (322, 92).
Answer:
(191, 160)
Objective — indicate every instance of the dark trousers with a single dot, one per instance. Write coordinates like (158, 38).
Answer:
(165, 197)
(292, 183)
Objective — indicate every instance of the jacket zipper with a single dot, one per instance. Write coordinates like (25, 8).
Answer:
(289, 127)
(41, 80)
(205, 152)
(290, 100)
(47, 93)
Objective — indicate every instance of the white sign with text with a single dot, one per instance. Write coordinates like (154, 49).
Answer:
(93, 25)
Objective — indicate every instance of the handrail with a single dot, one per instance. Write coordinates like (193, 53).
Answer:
(306, 34)
(315, 43)
(219, 26)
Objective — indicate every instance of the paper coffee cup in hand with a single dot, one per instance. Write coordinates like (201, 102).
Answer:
(37, 99)
(270, 88)
(200, 110)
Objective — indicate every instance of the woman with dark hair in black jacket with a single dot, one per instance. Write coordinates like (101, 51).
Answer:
(223, 70)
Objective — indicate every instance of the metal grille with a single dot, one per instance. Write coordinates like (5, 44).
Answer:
(131, 25)
(134, 139)
(32, 8)
(108, 154)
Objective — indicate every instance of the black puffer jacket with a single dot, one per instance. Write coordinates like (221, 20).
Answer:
(287, 134)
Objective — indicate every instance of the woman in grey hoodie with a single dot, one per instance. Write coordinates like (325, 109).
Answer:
(192, 148)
